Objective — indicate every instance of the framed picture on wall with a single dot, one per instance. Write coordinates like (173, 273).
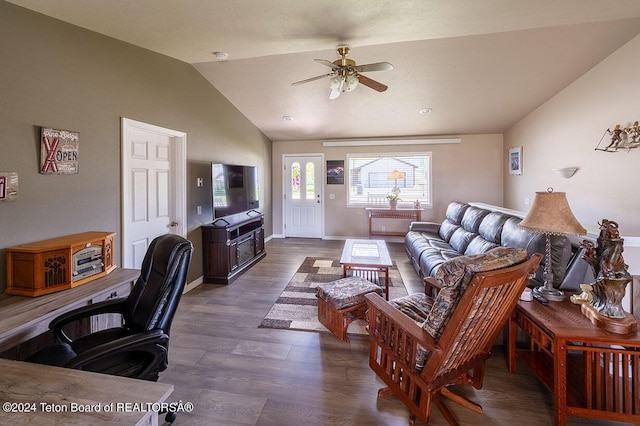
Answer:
(335, 172)
(515, 161)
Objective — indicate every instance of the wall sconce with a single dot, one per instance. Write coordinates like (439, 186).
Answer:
(565, 172)
(621, 138)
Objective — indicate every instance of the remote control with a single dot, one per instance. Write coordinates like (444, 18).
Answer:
(540, 299)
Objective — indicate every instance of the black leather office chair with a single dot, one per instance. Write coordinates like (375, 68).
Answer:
(139, 348)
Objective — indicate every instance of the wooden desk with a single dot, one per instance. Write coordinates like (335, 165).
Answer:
(591, 372)
(388, 213)
(22, 318)
(32, 389)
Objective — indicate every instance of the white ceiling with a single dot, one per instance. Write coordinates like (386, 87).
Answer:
(479, 65)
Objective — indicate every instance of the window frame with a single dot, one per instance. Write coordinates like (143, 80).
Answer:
(401, 156)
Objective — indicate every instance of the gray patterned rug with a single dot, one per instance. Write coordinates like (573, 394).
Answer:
(297, 309)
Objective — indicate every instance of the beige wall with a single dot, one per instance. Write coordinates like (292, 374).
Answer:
(469, 171)
(564, 132)
(58, 75)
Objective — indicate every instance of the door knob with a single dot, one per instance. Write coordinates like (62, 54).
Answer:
(173, 223)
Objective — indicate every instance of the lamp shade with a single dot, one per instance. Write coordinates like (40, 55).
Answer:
(551, 214)
(395, 174)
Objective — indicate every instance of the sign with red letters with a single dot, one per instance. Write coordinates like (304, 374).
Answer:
(59, 152)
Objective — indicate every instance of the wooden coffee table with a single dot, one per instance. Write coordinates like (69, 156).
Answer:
(367, 259)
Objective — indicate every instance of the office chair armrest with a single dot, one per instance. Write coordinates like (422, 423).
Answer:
(152, 342)
(111, 306)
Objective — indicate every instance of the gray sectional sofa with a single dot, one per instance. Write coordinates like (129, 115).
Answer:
(468, 230)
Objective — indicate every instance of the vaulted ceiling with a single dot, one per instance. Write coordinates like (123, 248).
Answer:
(478, 66)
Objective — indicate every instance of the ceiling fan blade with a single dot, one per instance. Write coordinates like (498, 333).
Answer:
(327, 63)
(312, 79)
(378, 66)
(371, 83)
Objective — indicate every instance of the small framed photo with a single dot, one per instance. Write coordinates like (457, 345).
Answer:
(515, 161)
(335, 172)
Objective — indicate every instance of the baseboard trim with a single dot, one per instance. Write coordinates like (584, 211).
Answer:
(193, 284)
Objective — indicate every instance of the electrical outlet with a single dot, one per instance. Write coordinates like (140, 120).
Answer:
(199, 183)
(199, 210)
(526, 201)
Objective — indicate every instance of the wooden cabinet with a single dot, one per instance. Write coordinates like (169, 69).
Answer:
(231, 245)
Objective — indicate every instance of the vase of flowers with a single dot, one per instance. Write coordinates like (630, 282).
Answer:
(393, 200)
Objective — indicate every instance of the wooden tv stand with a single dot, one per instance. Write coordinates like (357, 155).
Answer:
(231, 245)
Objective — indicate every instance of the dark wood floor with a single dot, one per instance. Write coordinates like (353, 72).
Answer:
(238, 374)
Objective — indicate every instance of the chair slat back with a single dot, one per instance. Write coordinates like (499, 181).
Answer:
(477, 320)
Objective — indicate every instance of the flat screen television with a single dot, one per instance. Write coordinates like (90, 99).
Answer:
(235, 189)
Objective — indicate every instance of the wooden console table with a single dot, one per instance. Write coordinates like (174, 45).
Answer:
(388, 213)
(591, 372)
(22, 318)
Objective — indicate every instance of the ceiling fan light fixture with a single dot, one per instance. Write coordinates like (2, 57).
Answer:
(335, 82)
(351, 82)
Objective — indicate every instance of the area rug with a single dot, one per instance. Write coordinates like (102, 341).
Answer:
(297, 308)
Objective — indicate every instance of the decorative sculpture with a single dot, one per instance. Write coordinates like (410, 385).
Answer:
(602, 300)
(621, 138)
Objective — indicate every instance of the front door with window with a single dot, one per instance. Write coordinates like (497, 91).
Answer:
(303, 196)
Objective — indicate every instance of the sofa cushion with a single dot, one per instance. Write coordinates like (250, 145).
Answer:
(447, 228)
(472, 219)
(431, 259)
(461, 239)
(453, 219)
(416, 306)
(491, 226)
(455, 275)
(479, 245)
(532, 242)
(455, 211)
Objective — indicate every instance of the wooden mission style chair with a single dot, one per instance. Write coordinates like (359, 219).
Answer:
(421, 344)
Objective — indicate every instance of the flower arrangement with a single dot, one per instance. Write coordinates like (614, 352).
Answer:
(393, 197)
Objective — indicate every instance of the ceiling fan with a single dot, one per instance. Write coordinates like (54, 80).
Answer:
(345, 74)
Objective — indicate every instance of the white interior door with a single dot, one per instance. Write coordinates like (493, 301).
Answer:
(303, 198)
(153, 187)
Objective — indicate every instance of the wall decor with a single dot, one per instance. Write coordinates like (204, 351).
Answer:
(335, 172)
(621, 138)
(8, 186)
(515, 161)
(59, 152)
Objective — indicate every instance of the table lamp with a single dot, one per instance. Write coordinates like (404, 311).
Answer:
(395, 175)
(550, 214)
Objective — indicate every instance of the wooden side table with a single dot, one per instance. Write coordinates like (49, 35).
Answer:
(591, 372)
(388, 213)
